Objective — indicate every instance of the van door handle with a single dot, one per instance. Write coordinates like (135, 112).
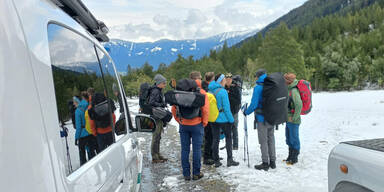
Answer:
(134, 144)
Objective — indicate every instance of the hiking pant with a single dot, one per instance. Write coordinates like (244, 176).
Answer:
(266, 137)
(188, 133)
(104, 140)
(227, 128)
(292, 135)
(208, 142)
(235, 135)
(156, 136)
(90, 143)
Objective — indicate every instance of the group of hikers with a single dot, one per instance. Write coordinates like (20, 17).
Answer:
(92, 121)
(205, 108)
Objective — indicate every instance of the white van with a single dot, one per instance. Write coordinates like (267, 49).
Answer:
(50, 51)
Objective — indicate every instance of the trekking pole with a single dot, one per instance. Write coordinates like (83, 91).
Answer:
(64, 133)
(246, 135)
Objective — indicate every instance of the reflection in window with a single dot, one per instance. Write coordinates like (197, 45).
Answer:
(84, 109)
(113, 90)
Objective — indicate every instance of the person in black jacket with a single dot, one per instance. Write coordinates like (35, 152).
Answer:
(233, 86)
(156, 99)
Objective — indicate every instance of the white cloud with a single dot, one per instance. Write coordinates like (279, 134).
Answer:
(151, 20)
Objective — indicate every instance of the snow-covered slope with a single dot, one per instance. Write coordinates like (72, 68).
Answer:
(336, 117)
(166, 51)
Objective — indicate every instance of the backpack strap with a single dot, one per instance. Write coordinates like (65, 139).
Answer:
(216, 92)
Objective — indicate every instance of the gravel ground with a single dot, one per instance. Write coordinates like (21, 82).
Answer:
(168, 176)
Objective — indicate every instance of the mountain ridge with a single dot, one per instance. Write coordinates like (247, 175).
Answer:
(136, 54)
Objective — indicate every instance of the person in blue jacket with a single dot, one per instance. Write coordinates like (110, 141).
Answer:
(265, 131)
(83, 138)
(224, 121)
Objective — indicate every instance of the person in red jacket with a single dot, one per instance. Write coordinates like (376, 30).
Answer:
(193, 130)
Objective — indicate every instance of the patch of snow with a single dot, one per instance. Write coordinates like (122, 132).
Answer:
(173, 49)
(131, 47)
(194, 45)
(156, 49)
(335, 117)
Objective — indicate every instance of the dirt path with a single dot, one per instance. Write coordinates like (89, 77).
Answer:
(168, 176)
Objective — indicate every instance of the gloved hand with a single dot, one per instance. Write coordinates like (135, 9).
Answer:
(76, 142)
(244, 108)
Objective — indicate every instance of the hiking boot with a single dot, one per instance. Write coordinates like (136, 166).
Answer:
(218, 164)
(220, 158)
(289, 155)
(272, 164)
(235, 148)
(197, 177)
(263, 166)
(162, 158)
(208, 162)
(231, 162)
(187, 178)
(294, 160)
(157, 161)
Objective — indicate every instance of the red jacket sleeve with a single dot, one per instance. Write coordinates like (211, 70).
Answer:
(174, 114)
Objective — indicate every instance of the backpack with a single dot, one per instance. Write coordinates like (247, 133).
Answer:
(87, 123)
(187, 99)
(213, 110)
(145, 90)
(237, 80)
(275, 99)
(305, 91)
(162, 114)
(101, 110)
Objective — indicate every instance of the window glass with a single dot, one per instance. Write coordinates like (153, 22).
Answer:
(84, 129)
(114, 92)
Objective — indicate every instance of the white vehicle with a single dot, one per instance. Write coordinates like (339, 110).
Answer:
(50, 51)
(357, 166)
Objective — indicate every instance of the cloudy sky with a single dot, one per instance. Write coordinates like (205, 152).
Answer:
(151, 20)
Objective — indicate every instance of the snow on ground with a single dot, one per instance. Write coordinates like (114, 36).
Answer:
(335, 117)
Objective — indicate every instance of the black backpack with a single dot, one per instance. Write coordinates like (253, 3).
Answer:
(275, 99)
(145, 90)
(237, 80)
(101, 110)
(187, 99)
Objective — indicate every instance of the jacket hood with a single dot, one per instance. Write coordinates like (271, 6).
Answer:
(214, 85)
(261, 78)
(198, 83)
(83, 105)
(293, 84)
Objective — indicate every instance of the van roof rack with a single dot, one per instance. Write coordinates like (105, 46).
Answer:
(79, 12)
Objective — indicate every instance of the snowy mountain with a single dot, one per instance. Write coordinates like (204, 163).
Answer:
(166, 51)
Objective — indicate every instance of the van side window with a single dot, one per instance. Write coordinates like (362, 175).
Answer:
(113, 91)
(84, 111)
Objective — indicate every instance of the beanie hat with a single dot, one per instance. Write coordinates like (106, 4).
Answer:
(159, 79)
(290, 77)
(260, 72)
(76, 99)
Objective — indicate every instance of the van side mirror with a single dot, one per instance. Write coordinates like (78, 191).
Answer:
(120, 126)
(145, 123)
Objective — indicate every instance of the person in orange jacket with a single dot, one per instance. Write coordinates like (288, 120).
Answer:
(193, 130)
(103, 134)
